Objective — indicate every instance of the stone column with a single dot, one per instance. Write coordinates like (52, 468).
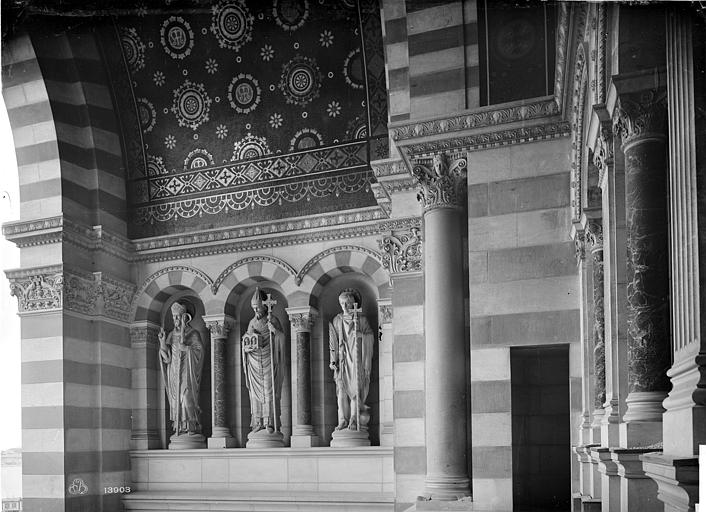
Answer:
(220, 435)
(612, 183)
(302, 320)
(594, 239)
(146, 392)
(641, 116)
(442, 195)
(385, 372)
(676, 469)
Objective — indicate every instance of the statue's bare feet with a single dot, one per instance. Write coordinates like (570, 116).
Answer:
(270, 429)
(258, 427)
(352, 426)
(343, 424)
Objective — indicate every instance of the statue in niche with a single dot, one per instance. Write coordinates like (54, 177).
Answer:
(262, 353)
(351, 356)
(181, 355)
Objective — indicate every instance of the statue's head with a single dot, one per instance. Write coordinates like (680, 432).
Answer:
(257, 302)
(179, 314)
(349, 298)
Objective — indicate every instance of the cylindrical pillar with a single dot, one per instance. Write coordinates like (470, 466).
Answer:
(220, 435)
(641, 124)
(445, 380)
(594, 237)
(301, 320)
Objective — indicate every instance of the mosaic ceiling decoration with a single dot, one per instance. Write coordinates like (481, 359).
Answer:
(247, 109)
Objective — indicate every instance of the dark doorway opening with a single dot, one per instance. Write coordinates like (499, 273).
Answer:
(541, 445)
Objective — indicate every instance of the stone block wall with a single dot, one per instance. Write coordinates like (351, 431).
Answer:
(524, 291)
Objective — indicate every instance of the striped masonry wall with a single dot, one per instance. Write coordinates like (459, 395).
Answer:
(524, 291)
(408, 354)
(87, 147)
(75, 367)
(432, 57)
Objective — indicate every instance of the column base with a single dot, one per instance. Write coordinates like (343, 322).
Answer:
(446, 488)
(346, 438)
(423, 503)
(637, 490)
(641, 434)
(222, 442)
(304, 441)
(265, 439)
(187, 442)
(644, 406)
(677, 480)
(610, 480)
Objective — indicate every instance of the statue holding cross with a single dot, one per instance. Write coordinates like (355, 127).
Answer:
(262, 356)
(351, 355)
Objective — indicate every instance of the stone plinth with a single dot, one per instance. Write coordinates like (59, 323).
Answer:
(265, 439)
(346, 438)
(610, 481)
(187, 442)
(637, 490)
(677, 480)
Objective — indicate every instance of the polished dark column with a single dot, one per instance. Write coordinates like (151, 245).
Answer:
(594, 239)
(220, 436)
(641, 123)
(302, 320)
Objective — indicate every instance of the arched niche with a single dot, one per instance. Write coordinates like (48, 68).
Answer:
(195, 308)
(238, 306)
(324, 407)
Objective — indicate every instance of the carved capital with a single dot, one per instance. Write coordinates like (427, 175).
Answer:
(603, 155)
(402, 251)
(441, 184)
(580, 246)
(39, 289)
(218, 326)
(641, 115)
(302, 319)
(594, 235)
(385, 314)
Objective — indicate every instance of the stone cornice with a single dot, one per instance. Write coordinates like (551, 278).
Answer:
(481, 118)
(551, 128)
(59, 229)
(56, 288)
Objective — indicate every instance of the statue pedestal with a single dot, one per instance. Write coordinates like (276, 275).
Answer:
(265, 439)
(346, 438)
(187, 441)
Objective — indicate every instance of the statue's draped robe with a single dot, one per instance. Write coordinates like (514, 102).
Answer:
(341, 344)
(191, 369)
(258, 370)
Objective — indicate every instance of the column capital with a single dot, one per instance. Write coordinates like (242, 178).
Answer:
(604, 149)
(384, 311)
(218, 325)
(302, 318)
(594, 234)
(579, 237)
(442, 183)
(402, 250)
(641, 115)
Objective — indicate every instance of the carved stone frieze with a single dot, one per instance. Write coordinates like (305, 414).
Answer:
(577, 128)
(601, 34)
(521, 135)
(144, 336)
(402, 251)
(384, 168)
(55, 288)
(441, 184)
(545, 107)
(641, 115)
(39, 289)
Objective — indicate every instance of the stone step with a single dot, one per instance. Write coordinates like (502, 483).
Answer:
(254, 501)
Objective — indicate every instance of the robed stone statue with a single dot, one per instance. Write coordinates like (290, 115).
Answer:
(351, 356)
(181, 356)
(263, 356)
